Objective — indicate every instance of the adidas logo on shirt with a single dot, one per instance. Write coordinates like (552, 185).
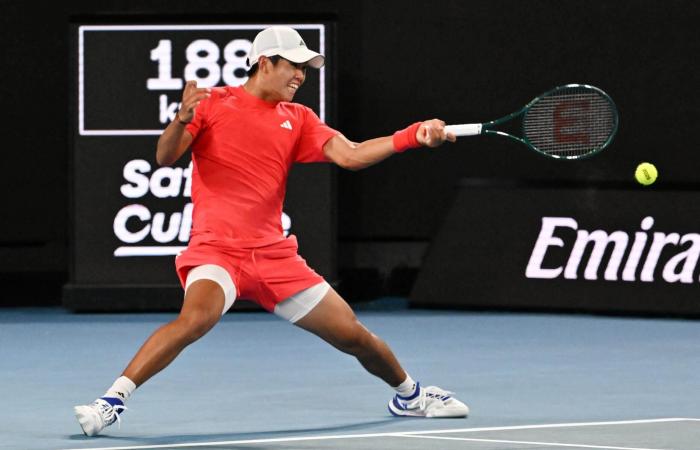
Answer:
(286, 124)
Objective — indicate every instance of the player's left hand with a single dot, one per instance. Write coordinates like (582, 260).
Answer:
(432, 133)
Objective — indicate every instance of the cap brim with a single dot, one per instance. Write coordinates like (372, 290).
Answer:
(304, 55)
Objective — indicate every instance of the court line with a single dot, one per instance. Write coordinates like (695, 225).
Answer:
(551, 425)
(549, 444)
(393, 434)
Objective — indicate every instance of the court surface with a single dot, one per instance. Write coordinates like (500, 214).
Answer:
(532, 381)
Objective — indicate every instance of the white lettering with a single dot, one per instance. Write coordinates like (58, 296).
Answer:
(640, 241)
(178, 226)
(123, 216)
(600, 240)
(174, 177)
(167, 110)
(680, 267)
(186, 225)
(203, 57)
(163, 54)
(166, 235)
(187, 173)
(690, 256)
(544, 240)
(134, 173)
(657, 245)
(163, 183)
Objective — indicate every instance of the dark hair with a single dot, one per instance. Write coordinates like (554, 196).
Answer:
(254, 68)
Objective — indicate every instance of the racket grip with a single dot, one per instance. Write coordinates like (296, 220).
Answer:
(465, 129)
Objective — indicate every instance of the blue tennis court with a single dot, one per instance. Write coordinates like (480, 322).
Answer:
(532, 381)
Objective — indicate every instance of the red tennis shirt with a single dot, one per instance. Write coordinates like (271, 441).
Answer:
(242, 150)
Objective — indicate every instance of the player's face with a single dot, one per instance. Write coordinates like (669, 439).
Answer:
(286, 78)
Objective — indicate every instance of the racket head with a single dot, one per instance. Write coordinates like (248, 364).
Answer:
(573, 121)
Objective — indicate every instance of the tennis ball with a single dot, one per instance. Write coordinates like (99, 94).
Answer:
(646, 173)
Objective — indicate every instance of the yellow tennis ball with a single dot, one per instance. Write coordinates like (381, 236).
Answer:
(646, 173)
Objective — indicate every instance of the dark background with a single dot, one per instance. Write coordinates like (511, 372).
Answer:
(396, 62)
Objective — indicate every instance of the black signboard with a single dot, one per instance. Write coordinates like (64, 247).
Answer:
(611, 249)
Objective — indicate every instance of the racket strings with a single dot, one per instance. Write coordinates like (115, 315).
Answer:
(570, 122)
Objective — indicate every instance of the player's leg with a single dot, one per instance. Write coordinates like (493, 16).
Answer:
(333, 320)
(209, 292)
(201, 310)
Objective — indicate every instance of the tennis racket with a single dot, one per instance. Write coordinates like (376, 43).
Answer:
(568, 122)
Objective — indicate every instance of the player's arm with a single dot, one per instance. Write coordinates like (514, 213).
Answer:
(175, 138)
(354, 156)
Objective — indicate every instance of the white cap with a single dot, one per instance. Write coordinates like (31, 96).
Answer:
(285, 42)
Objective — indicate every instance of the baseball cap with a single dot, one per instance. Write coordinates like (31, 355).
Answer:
(285, 42)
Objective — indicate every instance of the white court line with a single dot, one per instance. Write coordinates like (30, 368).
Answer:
(550, 425)
(394, 434)
(549, 444)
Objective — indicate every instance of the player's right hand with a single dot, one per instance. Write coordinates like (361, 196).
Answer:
(191, 96)
(432, 133)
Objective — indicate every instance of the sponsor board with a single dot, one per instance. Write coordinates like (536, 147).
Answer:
(563, 248)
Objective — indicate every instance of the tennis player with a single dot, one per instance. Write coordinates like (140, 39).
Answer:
(244, 141)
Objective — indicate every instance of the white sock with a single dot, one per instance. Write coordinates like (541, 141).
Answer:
(121, 389)
(407, 388)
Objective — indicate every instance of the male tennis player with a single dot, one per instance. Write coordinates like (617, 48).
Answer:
(244, 141)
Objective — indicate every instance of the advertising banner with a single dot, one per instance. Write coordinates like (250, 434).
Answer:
(599, 249)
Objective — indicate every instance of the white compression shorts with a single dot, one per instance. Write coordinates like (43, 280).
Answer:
(291, 309)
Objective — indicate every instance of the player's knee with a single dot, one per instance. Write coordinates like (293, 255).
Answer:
(354, 339)
(194, 326)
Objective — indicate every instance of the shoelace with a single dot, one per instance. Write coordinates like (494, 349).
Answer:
(429, 393)
(435, 393)
(109, 412)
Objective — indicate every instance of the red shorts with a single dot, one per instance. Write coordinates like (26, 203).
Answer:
(263, 271)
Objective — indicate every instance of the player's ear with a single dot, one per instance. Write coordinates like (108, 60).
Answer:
(264, 63)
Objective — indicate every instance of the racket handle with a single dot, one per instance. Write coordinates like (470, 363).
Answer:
(465, 129)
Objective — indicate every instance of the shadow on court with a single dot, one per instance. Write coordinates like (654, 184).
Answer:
(219, 437)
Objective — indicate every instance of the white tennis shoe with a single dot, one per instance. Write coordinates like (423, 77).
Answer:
(428, 401)
(98, 415)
